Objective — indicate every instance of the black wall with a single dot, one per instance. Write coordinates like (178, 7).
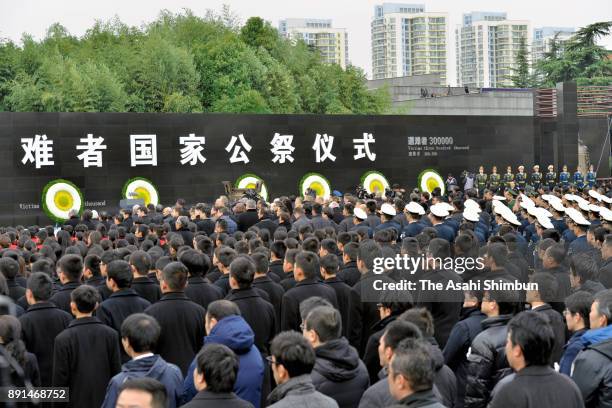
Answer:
(491, 141)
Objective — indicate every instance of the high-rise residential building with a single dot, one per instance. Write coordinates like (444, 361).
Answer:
(331, 42)
(486, 48)
(407, 40)
(543, 38)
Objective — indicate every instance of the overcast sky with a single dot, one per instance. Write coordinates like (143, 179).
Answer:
(34, 16)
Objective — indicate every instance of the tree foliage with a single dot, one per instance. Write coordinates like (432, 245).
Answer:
(179, 63)
(579, 59)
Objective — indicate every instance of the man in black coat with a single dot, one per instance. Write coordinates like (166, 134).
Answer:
(329, 268)
(141, 263)
(306, 272)
(460, 339)
(257, 311)
(203, 221)
(338, 372)
(215, 375)
(535, 384)
(539, 300)
(182, 228)
(41, 323)
(10, 269)
(363, 310)
(123, 302)
(198, 289)
(605, 272)
(265, 222)
(181, 320)
(444, 305)
(277, 258)
(349, 272)
(249, 217)
(86, 355)
(263, 282)
(70, 271)
(224, 256)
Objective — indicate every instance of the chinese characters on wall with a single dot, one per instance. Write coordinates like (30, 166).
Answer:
(38, 150)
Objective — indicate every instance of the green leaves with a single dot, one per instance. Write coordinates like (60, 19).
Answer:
(179, 63)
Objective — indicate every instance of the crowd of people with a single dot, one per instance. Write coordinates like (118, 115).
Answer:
(255, 304)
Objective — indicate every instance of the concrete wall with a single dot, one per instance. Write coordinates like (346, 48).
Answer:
(481, 104)
(415, 80)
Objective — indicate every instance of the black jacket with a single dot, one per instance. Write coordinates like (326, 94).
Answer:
(202, 292)
(223, 284)
(187, 236)
(487, 362)
(258, 313)
(445, 305)
(247, 219)
(207, 225)
(276, 267)
(61, 298)
(349, 273)
(85, 358)
(363, 313)
(207, 399)
(114, 310)
(290, 309)
(370, 355)
(146, 288)
(538, 387)
(266, 223)
(557, 323)
(343, 293)
(40, 324)
(459, 342)
(275, 293)
(593, 373)
(15, 290)
(444, 379)
(420, 399)
(605, 273)
(182, 324)
(339, 373)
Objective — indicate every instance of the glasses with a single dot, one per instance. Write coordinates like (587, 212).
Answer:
(271, 360)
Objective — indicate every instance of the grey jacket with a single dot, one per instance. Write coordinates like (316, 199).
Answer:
(299, 392)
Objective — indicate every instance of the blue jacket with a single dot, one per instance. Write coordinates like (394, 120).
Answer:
(151, 367)
(579, 245)
(572, 348)
(235, 333)
(412, 229)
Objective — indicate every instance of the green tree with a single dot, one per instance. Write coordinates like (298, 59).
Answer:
(521, 77)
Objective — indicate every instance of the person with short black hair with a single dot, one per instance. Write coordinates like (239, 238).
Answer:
(379, 395)
(486, 362)
(263, 280)
(70, 270)
(141, 264)
(92, 272)
(292, 360)
(86, 354)
(540, 299)
(222, 259)
(306, 273)
(198, 289)
(338, 371)
(142, 393)
(215, 376)
(349, 272)
(253, 303)
(577, 309)
(123, 302)
(583, 274)
(411, 375)
(139, 336)
(225, 326)
(528, 349)
(181, 320)
(10, 269)
(329, 270)
(593, 366)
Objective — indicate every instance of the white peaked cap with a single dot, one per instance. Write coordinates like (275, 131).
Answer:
(359, 213)
(576, 216)
(388, 209)
(439, 210)
(545, 222)
(499, 198)
(557, 205)
(414, 208)
(472, 205)
(470, 215)
(527, 200)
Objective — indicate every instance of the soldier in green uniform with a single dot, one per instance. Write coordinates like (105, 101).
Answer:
(536, 178)
(494, 180)
(508, 178)
(481, 181)
(521, 178)
(551, 177)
